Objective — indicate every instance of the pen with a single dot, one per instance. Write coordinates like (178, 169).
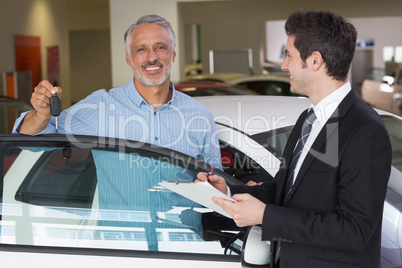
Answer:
(210, 171)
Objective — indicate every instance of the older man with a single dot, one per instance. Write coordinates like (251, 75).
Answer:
(147, 109)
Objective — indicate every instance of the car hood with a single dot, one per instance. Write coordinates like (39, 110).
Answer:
(255, 114)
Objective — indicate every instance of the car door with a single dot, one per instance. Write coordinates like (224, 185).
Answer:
(91, 201)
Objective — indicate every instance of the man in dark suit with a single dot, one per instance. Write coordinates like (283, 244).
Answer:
(324, 207)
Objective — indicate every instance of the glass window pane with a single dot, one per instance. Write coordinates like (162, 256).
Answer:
(70, 195)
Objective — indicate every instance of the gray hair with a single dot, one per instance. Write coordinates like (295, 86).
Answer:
(149, 19)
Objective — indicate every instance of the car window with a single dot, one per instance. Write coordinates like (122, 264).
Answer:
(265, 87)
(105, 196)
(274, 140)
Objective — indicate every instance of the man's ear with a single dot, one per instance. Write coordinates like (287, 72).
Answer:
(317, 60)
(174, 55)
(128, 60)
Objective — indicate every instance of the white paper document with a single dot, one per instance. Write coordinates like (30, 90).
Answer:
(199, 192)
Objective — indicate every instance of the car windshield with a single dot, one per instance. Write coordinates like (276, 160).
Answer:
(266, 87)
(274, 140)
(106, 195)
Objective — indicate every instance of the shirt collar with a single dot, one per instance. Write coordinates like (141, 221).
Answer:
(138, 100)
(327, 106)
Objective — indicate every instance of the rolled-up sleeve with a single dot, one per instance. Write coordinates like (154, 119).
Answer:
(50, 128)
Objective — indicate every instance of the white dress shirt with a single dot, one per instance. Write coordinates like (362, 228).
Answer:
(323, 110)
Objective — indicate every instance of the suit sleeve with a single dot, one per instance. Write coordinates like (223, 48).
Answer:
(265, 192)
(361, 179)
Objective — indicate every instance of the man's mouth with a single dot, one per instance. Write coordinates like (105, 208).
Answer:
(152, 68)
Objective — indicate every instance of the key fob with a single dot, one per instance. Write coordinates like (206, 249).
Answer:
(55, 107)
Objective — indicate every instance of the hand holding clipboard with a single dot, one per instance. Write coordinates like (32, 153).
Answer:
(200, 192)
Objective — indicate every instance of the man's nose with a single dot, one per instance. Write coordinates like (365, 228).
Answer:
(284, 65)
(152, 56)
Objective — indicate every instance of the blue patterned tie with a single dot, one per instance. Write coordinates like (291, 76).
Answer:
(306, 129)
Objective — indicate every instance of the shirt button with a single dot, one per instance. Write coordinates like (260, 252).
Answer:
(156, 138)
(154, 113)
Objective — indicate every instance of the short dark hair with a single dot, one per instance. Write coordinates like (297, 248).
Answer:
(325, 32)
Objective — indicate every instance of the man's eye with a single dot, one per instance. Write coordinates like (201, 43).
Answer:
(140, 49)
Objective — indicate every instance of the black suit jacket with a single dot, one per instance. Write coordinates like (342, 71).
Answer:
(333, 216)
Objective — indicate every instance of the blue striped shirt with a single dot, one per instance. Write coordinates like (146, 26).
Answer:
(183, 124)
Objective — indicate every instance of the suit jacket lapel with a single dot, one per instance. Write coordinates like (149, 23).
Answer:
(287, 154)
(318, 149)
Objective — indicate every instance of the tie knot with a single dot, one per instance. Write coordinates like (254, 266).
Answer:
(310, 118)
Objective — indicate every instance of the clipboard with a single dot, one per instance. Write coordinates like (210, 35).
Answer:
(199, 192)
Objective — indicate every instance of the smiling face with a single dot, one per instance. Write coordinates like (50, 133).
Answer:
(297, 69)
(151, 54)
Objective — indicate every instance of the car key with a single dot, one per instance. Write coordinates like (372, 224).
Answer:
(55, 108)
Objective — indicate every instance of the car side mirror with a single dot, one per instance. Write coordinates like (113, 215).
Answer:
(255, 252)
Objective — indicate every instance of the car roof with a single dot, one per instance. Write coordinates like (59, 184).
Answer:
(282, 78)
(255, 114)
(382, 112)
(187, 86)
(202, 84)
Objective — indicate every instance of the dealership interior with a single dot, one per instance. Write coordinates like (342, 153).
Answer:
(89, 35)
(95, 183)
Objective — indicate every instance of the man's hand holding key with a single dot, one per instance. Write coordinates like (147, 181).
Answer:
(44, 107)
(55, 107)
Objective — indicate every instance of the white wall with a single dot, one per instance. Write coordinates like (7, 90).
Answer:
(44, 18)
(383, 30)
(375, 28)
(276, 40)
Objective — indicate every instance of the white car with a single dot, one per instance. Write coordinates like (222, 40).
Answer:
(77, 201)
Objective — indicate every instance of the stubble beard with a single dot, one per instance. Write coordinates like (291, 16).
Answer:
(299, 84)
(142, 78)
